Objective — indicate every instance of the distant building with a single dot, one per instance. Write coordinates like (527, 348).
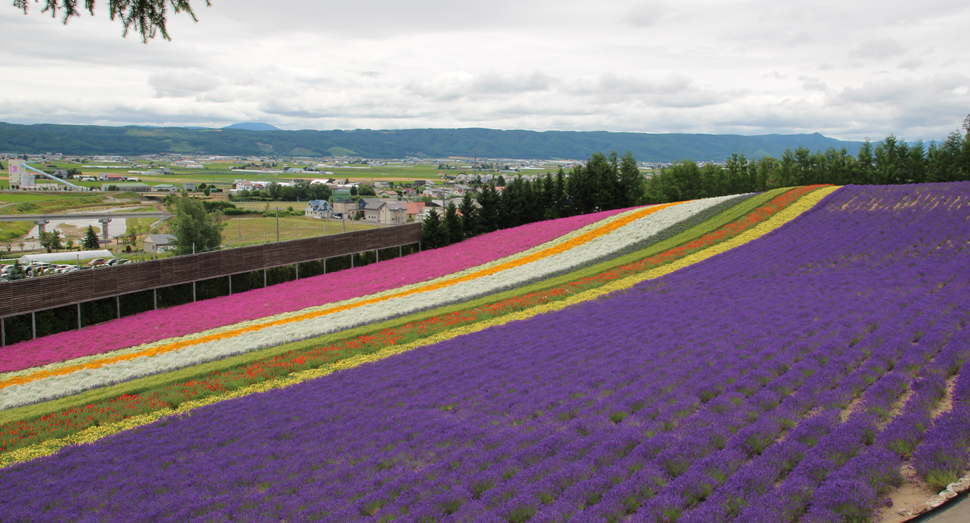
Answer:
(319, 209)
(386, 194)
(156, 243)
(344, 206)
(384, 212)
(415, 211)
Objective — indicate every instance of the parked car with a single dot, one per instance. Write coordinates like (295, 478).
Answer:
(96, 262)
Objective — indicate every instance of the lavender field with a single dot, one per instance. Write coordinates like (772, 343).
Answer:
(789, 379)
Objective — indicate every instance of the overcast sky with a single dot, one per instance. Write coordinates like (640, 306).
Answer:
(847, 69)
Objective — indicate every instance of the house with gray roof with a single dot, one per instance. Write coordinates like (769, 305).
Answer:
(318, 209)
(156, 243)
(384, 212)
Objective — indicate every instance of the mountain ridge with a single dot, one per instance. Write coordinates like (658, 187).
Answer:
(421, 143)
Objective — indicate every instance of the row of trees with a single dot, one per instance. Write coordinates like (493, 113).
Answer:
(890, 162)
(303, 191)
(604, 182)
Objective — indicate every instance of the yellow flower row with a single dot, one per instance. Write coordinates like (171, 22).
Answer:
(93, 434)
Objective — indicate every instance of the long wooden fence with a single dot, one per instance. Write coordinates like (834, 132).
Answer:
(37, 294)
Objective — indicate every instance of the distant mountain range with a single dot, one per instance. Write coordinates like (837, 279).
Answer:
(253, 126)
(259, 139)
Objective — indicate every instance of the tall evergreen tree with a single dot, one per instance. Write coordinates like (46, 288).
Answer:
(965, 151)
(602, 172)
(505, 208)
(917, 162)
(488, 199)
(470, 223)
(91, 239)
(433, 232)
(453, 224)
(632, 187)
(559, 193)
(865, 164)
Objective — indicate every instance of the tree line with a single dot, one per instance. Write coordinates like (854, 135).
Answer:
(602, 183)
(302, 191)
(890, 162)
(607, 182)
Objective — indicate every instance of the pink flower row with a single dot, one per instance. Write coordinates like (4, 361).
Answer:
(186, 319)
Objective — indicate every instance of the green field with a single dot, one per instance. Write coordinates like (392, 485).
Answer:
(38, 197)
(251, 230)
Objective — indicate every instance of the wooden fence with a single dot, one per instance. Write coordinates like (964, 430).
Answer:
(48, 292)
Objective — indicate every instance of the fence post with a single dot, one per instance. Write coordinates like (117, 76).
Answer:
(264, 275)
(33, 325)
(118, 307)
(297, 265)
(400, 250)
(193, 292)
(351, 261)
(78, 316)
(3, 332)
(230, 284)
(155, 298)
(377, 255)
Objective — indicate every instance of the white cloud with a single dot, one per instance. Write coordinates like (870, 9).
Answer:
(647, 14)
(181, 83)
(748, 66)
(878, 49)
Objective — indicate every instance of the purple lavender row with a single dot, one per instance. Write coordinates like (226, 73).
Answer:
(836, 491)
(491, 426)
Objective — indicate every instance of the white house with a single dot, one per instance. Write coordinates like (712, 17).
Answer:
(318, 209)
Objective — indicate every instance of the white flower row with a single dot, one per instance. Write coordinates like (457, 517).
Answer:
(619, 239)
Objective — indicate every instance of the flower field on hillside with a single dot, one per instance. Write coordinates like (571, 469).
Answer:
(187, 319)
(779, 379)
(46, 383)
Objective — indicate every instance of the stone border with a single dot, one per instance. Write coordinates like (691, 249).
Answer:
(952, 490)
